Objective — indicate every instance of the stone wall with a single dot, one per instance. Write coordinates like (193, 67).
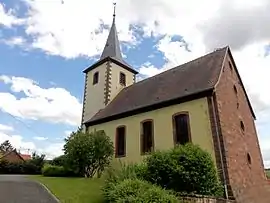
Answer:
(245, 176)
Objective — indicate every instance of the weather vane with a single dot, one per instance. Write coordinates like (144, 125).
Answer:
(114, 5)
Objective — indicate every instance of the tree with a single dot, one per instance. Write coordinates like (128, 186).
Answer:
(88, 154)
(6, 146)
(37, 160)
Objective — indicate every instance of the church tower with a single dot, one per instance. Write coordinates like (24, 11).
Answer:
(107, 77)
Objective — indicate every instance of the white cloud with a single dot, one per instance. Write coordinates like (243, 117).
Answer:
(53, 150)
(7, 18)
(17, 141)
(5, 128)
(40, 138)
(55, 105)
(26, 147)
(19, 41)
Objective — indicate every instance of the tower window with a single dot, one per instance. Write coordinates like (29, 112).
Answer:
(147, 136)
(95, 78)
(120, 142)
(181, 128)
(122, 79)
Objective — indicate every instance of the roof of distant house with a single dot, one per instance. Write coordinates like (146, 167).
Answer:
(25, 156)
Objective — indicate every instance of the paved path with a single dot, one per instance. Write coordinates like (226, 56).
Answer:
(18, 189)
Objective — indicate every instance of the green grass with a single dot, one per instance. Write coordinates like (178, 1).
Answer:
(73, 190)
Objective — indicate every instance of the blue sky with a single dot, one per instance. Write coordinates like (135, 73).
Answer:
(45, 46)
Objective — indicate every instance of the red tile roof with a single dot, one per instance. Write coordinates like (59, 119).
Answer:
(25, 156)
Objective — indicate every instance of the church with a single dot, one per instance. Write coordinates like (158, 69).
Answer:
(203, 101)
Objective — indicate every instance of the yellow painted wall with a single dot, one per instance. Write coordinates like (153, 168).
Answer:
(163, 131)
(94, 94)
(116, 87)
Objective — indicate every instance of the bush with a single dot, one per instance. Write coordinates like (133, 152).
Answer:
(135, 190)
(56, 171)
(26, 167)
(186, 169)
(118, 173)
(88, 153)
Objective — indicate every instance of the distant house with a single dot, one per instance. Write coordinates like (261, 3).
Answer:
(25, 156)
(11, 156)
(14, 156)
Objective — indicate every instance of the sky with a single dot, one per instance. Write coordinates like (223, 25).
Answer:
(46, 44)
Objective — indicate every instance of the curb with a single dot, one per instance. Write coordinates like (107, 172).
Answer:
(47, 189)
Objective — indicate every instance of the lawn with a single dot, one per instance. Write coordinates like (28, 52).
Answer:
(73, 190)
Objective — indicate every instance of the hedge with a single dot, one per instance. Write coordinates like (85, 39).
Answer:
(19, 168)
(57, 171)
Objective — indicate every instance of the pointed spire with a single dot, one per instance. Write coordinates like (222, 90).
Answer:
(112, 47)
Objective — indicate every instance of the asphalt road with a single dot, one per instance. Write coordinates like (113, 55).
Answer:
(18, 189)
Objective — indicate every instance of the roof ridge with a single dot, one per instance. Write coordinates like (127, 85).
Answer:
(192, 61)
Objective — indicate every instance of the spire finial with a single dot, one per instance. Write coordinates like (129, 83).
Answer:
(114, 6)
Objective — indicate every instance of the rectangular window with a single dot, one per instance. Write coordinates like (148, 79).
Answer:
(122, 79)
(95, 78)
(120, 148)
(181, 129)
(147, 136)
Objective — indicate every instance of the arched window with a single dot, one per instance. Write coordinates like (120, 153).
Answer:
(95, 78)
(120, 141)
(147, 136)
(181, 128)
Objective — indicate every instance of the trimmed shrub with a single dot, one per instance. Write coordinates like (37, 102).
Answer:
(56, 171)
(135, 190)
(186, 169)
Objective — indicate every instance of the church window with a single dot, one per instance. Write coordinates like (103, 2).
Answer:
(181, 128)
(242, 126)
(235, 89)
(249, 158)
(122, 79)
(120, 142)
(95, 78)
(147, 136)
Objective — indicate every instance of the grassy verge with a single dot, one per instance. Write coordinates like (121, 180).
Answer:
(73, 190)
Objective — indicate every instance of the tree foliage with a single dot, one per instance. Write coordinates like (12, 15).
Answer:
(6, 146)
(186, 169)
(37, 160)
(135, 190)
(88, 153)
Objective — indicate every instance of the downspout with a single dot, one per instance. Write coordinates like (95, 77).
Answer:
(219, 148)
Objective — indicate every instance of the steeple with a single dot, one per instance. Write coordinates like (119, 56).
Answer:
(112, 47)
